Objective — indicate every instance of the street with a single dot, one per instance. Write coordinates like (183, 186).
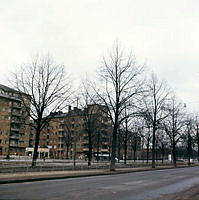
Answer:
(131, 186)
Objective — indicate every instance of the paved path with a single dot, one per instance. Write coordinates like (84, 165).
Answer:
(132, 186)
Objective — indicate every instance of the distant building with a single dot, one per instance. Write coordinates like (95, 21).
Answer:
(14, 134)
(66, 135)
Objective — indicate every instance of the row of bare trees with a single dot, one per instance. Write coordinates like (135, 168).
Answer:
(130, 98)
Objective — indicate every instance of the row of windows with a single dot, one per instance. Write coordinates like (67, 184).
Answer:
(51, 128)
(15, 118)
(3, 141)
(16, 150)
(52, 140)
(3, 109)
(3, 149)
(5, 117)
(4, 133)
(16, 126)
(60, 133)
(6, 102)
(9, 93)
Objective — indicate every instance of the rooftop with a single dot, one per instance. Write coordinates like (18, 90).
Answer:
(6, 88)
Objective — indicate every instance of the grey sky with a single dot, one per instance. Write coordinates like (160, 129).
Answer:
(164, 34)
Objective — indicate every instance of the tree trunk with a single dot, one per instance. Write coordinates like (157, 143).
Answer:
(163, 153)
(174, 154)
(74, 154)
(147, 152)
(134, 155)
(67, 151)
(113, 153)
(125, 147)
(98, 144)
(35, 154)
(153, 145)
(119, 147)
(71, 152)
(89, 148)
(189, 150)
(125, 138)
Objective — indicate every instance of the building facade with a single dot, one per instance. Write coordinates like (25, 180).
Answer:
(14, 134)
(66, 135)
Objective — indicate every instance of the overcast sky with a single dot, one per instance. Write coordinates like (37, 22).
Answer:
(164, 34)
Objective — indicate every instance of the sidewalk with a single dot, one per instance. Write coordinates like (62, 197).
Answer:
(39, 176)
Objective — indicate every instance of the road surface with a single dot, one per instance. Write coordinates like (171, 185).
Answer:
(131, 186)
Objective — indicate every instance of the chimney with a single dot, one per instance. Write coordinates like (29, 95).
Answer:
(69, 108)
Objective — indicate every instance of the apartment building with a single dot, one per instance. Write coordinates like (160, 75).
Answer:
(14, 134)
(66, 134)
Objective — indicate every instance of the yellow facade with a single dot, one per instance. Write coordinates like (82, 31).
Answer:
(66, 134)
(14, 134)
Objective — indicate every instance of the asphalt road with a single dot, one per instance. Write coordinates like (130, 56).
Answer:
(131, 186)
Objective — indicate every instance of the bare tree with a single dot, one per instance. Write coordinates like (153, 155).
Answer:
(161, 144)
(154, 109)
(93, 116)
(146, 133)
(188, 137)
(130, 120)
(135, 137)
(174, 123)
(92, 120)
(68, 133)
(45, 81)
(196, 135)
(120, 75)
(126, 125)
(147, 137)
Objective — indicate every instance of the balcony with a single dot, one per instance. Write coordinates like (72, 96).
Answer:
(15, 129)
(61, 122)
(15, 121)
(104, 150)
(16, 114)
(15, 105)
(60, 149)
(14, 144)
(16, 137)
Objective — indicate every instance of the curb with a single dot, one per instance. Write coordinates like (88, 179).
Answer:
(51, 177)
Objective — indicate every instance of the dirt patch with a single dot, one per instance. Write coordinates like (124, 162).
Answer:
(190, 194)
